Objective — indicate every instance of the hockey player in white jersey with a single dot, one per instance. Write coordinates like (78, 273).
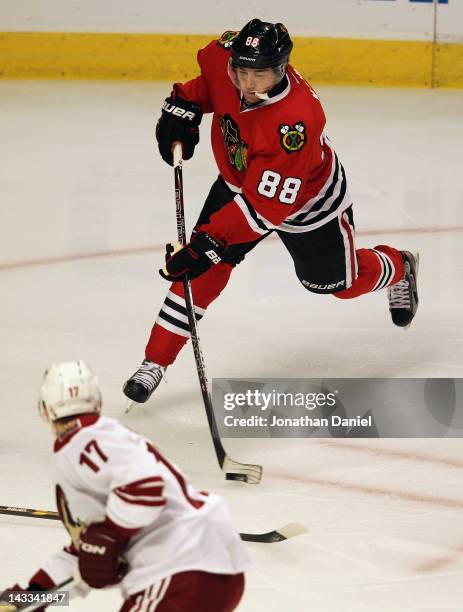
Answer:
(133, 518)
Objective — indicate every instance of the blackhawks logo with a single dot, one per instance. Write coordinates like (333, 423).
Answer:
(227, 38)
(292, 137)
(237, 149)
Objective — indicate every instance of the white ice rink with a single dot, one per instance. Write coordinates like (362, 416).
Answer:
(86, 206)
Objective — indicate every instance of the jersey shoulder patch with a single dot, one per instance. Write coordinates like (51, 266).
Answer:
(292, 136)
(227, 38)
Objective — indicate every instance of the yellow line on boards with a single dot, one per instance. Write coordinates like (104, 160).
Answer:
(74, 55)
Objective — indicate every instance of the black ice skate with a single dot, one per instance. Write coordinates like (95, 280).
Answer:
(141, 385)
(403, 296)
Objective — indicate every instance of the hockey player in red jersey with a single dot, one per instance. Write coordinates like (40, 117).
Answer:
(133, 518)
(278, 174)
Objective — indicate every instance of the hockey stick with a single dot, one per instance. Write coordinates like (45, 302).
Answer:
(277, 535)
(252, 474)
(290, 530)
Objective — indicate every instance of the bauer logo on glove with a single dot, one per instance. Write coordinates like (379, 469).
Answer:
(194, 259)
(178, 111)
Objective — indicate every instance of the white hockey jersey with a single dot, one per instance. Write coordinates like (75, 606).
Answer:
(102, 469)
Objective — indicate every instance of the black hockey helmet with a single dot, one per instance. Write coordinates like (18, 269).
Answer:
(261, 45)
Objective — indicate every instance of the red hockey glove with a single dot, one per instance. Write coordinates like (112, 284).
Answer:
(195, 258)
(100, 550)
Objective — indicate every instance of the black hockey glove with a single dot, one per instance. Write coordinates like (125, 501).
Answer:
(195, 258)
(179, 122)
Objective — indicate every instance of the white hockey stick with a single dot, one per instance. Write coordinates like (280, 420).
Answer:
(277, 535)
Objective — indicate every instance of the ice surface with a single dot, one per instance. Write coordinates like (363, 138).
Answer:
(86, 205)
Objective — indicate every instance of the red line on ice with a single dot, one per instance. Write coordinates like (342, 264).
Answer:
(14, 265)
(384, 452)
(376, 491)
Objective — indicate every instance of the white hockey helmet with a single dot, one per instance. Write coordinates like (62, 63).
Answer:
(68, 389)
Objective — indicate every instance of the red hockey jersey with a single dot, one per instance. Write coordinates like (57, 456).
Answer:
(274, 156)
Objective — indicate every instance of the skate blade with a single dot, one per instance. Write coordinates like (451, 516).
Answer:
(130, 404)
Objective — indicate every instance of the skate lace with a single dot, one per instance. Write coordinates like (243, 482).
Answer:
(399, 295)
(148, 375)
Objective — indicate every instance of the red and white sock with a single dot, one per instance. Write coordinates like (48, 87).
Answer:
(377, 268)
(170, 332)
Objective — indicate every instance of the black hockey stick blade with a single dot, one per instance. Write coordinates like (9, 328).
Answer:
(277, 535)
(234, 470)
